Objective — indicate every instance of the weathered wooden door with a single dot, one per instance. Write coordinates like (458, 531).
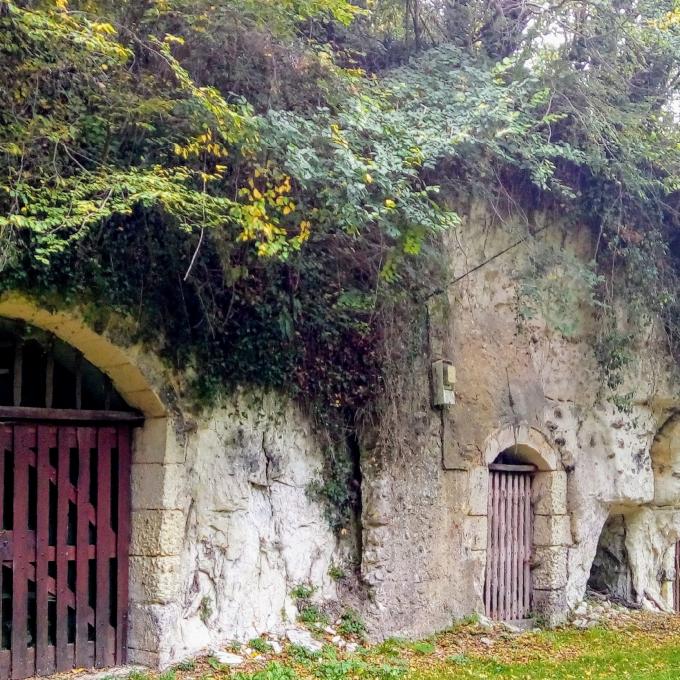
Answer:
(507, 592)
(676, 582)
(64, 525)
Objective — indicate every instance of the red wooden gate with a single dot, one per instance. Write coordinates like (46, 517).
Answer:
(64, 525)
(507, 592)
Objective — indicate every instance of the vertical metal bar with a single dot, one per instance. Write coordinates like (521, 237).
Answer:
(67, 441)
(18, 370)
(47, 439)
(86, 437)
(106, 550)
(24, 446)
(123, 541)
(49, 376)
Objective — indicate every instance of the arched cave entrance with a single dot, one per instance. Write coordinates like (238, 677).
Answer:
(508, 589)
(65, 457)
(610, 573)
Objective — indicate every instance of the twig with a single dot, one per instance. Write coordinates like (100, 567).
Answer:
(195, 255)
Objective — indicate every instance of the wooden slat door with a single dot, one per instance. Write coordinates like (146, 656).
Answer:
(64, 521)
(507, 591)
(676, 582)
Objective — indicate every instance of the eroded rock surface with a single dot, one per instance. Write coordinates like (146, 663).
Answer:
(252, 533)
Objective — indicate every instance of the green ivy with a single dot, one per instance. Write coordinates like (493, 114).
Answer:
(262, 225)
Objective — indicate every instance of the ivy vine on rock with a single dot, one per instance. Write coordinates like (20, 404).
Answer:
(258, 186)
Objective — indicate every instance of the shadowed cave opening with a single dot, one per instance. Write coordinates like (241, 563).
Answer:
(610, 573)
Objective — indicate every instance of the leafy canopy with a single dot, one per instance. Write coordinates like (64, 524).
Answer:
(264, 182)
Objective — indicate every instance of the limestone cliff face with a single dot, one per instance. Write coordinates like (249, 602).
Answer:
(425, 513)
(223, 527)
(251, 532)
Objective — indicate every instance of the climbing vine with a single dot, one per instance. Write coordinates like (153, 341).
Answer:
(264, 215)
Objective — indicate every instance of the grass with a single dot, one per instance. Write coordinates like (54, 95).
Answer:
(646, 650)
(639, 647)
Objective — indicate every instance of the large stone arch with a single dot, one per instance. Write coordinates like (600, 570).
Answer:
(552, 531)
(157, 521)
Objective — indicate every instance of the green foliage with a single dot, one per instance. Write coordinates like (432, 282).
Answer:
(273, 671)
(185, 666)
(351, 624)
(647, 647)
(336, 572)
(260, 645)
(302, 591)
(554, 287)
(138, 675)
(302, 655)
(334, 491)
(308, 612)
(311, 614)
(391, 647)
(247, 183)
(90, 141)
(214, 663)
(613, 351)
(348, 668)
(458, 659)
(422, 647)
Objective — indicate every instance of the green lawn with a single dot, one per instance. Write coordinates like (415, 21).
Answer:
(597, 653)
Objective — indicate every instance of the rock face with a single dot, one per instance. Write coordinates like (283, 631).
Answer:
(534, 387)
(251, 533)
(223, 527)
(235, 532)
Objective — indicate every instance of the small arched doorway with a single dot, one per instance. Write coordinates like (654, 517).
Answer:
(65, 456)
(508, 588)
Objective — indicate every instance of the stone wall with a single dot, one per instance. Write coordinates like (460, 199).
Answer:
(535, 379)
(237, 532)
(222, 525)
(222, 528)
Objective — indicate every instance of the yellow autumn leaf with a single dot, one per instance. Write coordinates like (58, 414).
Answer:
(103, 27)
